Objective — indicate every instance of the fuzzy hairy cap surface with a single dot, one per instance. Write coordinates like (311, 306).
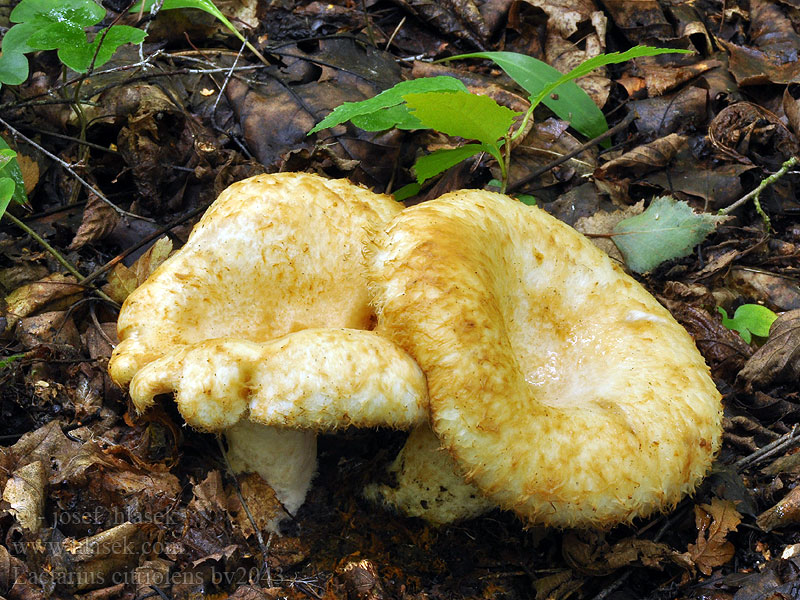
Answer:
(273, 254)
(425, 483)
(561, 387)
(315, 379)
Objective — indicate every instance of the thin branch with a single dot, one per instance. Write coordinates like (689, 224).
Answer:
(56, 254)
(593, 142)
(765, 183)
(71, 171)
(264, 547)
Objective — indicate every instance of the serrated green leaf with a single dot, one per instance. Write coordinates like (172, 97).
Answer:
(462, 114)
(386, 118)
(436, 162)
(387, 98)
(668, 229)
(749, 319)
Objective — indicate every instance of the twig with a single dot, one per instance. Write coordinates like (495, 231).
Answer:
(780, 445)
(394, 33)
(56, 254)
(144, 241)
(227, 80)
(264, 547)
(71, 171)
(760, 188)
(593, 142)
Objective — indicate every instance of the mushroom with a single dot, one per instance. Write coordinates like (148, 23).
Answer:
(559, 386)
(275, 254)
(260, 393)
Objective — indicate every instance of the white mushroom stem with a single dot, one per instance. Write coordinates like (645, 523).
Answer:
(285, 458)
(425, 484)
(271, 398)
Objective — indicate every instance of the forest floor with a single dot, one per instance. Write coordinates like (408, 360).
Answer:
(100, 502)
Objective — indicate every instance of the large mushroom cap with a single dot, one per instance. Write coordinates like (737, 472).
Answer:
(562, 389)
(274, 254)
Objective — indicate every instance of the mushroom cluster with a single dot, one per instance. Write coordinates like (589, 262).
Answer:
(536, 375)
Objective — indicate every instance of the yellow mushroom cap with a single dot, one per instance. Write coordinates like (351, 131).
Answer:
(317, 379)
(273, 254)
(561, 388)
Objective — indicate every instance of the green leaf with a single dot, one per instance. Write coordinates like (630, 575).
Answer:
(408, 190)
(602, 60)
(559, 92)
(432, 164)
(462, 114)
(7, 187)
(10, 170)
(388, 98)
(75, 51)
(7, 360)
(82, 13)
(13, 62)
(568, 102)
(58, 35)
(386, 118)
(668, 229)
(526, 199)
(749, 319)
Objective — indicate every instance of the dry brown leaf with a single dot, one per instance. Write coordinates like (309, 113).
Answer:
(15, 583)
(713, 522)
(778, 360)
(25, 492)
(31, 297)
(261, 501)
(589, 554)
(602, 223)
(99, 219)
(123, 280)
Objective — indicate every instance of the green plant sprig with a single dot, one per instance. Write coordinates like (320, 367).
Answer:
(447, 107)
(60, 25)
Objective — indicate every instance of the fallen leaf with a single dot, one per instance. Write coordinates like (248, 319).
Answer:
(591, 555)
(99, 219)
(666, 230)
(25, 492)
(713, 522)
(123, 280)
(31, 297)
(778, 360)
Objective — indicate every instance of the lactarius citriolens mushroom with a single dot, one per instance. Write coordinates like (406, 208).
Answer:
(274, 255)
(559, 386)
